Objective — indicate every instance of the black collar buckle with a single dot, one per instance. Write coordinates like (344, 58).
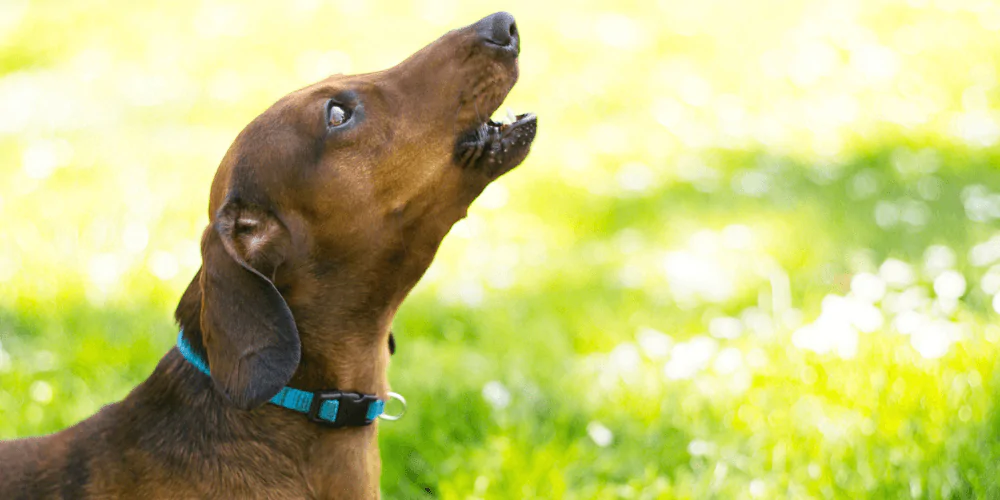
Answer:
(353, 409)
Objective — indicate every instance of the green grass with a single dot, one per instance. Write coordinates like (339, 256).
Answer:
(633, 313)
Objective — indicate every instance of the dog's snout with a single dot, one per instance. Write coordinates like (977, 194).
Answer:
(500, 30)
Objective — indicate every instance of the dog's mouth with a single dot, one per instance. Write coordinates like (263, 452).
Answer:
(495, 148)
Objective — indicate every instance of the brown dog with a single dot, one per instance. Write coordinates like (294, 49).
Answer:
(324, 213)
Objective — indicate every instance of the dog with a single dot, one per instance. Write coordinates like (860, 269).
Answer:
(324, 213)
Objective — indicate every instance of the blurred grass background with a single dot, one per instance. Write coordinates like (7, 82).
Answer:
(755, 252)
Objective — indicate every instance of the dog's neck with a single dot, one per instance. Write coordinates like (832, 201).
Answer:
(352, 358)
(345, 354)
(335, 462)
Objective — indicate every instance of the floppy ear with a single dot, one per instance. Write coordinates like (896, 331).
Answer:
(250, 337)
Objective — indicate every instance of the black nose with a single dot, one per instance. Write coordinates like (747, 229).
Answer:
(500, 29)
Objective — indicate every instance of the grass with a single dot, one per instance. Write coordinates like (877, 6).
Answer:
(744, 260)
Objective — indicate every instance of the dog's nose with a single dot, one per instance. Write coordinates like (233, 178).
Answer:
(499, 29)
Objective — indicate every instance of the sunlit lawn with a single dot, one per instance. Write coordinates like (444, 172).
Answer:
(755, 252)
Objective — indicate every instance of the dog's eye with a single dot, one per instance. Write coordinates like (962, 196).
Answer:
(338, 115)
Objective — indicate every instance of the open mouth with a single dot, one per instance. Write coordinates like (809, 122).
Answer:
(497, 147)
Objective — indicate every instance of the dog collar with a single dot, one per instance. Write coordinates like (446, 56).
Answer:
(331, 408)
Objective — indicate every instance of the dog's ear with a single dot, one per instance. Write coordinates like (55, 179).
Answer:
(250, 337)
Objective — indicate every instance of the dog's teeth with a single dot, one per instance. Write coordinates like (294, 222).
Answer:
(507, 119)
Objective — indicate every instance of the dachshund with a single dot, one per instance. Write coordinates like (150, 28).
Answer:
(323, 214)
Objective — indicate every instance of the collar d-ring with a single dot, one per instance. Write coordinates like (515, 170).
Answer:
(402, 401)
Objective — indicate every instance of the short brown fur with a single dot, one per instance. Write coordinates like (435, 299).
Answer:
(317, 233)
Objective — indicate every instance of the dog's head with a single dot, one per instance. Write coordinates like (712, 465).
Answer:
(330, 205)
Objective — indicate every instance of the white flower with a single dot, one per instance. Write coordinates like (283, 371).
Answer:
(496, 395)
(949, 285)
(599, 434)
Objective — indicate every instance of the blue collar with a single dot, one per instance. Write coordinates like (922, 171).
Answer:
(321, 406)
